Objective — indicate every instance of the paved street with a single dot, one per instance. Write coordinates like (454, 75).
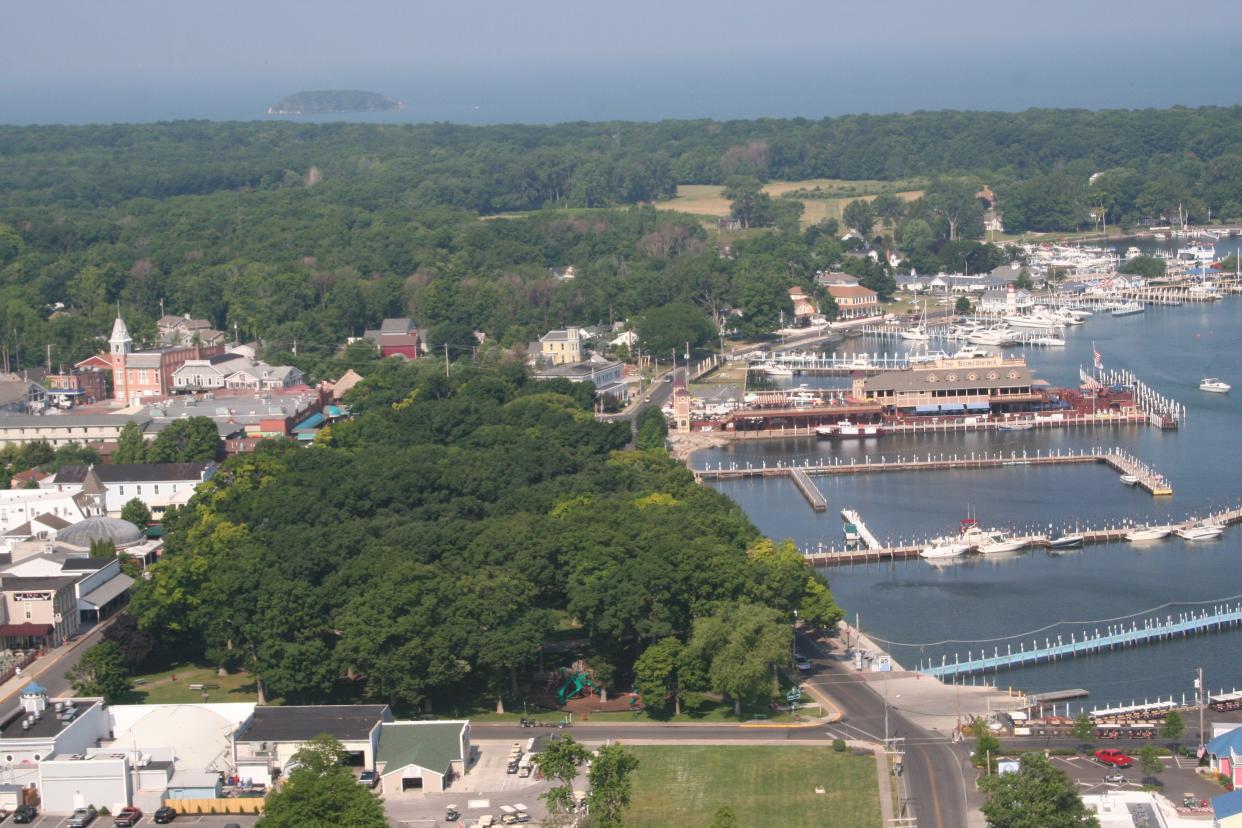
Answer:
(61, 821)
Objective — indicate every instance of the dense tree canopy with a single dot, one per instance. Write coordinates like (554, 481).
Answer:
(321, 791)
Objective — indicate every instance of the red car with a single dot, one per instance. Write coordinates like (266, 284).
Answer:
(127, 817)
(1113, 757)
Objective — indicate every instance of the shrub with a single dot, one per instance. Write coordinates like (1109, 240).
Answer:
(838, 745)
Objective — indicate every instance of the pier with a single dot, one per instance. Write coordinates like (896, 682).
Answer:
(1088, 642)
(1119, 460)
(809, 490)
(852, 518)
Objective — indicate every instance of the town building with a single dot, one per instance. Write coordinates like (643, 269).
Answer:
(395, 337)
(21, 506)
(560, 347)
(1005, 301)
(266, 742)
(951, 386)
(80, 386)
(605, 373)
(122, 482)
(421, 756)
(61, 429)
(183, 331)
(804, 306)
(100, 587)
(19, 395)
(148, 373)
(234, 371)
(43, 727)
(834, 279)
(855, 301)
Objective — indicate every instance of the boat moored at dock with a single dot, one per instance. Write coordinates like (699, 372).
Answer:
(1148, 533)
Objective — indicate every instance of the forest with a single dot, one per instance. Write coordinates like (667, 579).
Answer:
(300, 235)
(426, 549)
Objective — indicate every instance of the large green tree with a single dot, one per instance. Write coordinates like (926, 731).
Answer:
(101, 671)
(859, 217)
(1036, 796)
(741, 646)
(130, 445)
(668, 329)
(652, 429)
(561, 761)
(656, 674)
(136, 512)
(186, 441)
(321, 792)
(609, 778)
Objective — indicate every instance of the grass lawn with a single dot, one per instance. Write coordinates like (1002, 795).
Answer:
(706, 199)
(684, 786)
(160, 688)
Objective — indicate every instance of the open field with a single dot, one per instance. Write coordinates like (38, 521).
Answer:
(707, 200)
(161, 688)
(684, 786)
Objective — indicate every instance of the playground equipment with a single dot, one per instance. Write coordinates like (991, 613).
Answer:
(576, 683)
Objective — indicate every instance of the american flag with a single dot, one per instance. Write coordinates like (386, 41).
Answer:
(1099, 361)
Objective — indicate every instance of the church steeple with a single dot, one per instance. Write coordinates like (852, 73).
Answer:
(120, 339)
(122, 345)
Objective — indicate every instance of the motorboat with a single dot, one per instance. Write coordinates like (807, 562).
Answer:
(1048, 341)
(1038, 321)
(1214, 385)
(970, 352)
(944, 548)
(1148, 533)
(774, 370)
(1015, 426)
(1128, 308)
(845, 428)
(1128, 479)
(995, 337)
(1001, 543)
(1071, 541)
(925, 357)
(1199, 533)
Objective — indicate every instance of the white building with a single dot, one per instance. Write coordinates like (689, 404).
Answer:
(122, 482)
(422, 756)
(268, 739)
(22, 506)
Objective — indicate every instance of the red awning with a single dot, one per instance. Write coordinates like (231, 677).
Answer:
(16, 630)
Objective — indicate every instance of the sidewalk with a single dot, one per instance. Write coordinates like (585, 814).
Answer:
(48, 663)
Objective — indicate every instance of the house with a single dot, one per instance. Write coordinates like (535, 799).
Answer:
(22, 479)
(422, 756)
(100, 586)
(563, 274)
(606, 374)
(1227, 809)
(1005, 301)
(19, 395)
(855, 301)
(835, 279)
(560, 347)
(234, 371)
(122, 482)
(1225, 753)
(627, 339)
(345, 384)
(38, 613)
(268, 739)
(21, 506)
(395, 337)
(803, 305)
(148, 373)
(184, 331)
(59, 429)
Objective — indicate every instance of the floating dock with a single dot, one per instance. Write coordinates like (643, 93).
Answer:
(809, 490)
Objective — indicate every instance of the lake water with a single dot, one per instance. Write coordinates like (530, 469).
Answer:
(919, 605)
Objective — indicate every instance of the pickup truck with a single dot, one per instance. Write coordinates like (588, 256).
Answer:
(82, 817)
(1113, 758)
(127, 817)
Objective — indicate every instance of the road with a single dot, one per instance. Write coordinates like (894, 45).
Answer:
(49, 671)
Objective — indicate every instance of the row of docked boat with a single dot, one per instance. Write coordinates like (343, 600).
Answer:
(973, 538)
(1201, 531)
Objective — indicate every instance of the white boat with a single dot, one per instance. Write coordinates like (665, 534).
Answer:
(1199, 533)
(1214, 385)
(925, 357)
(1128, 479)
(969, 352)
(1001, 543)
(1049, 341)
(1037, 321)
(916, 334)
(774, 370)
(996, 337)
(845, 428)
(1015, 426)
(1133, 252)
(1146, 533)
(1128, 308)
(1062, 542)
(944, 548)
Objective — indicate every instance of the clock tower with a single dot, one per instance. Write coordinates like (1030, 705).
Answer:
(121, 345)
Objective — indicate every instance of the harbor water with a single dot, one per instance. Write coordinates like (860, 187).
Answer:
(926, 611)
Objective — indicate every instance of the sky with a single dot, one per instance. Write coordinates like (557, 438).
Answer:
(72, 60)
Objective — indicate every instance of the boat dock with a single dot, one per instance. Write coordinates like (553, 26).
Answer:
(1118, 459)
(809, 490)
(909, 548)
(1087, 642)
(830, 365)
(852, 518)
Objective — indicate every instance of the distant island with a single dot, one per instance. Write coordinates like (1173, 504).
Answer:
(332, 100)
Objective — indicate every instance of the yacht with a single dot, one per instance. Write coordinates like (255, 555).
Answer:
(1070, 541)
(1214, 385)
(970, 352)
(1133, 252)
(1015, 426)
(774, 370)
(1199, 533)
(916, 334)
(845, 428)
(996, 337)
(1048, 341)
(1128, 479)
(1038, 320)
(1128, 308)
(924, 357)
(944, 548)
(1146, 533)
(1000, 542)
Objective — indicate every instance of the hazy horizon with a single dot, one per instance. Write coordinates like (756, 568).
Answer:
(481, 62)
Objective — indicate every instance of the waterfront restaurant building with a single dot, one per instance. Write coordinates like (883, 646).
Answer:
(952, 387)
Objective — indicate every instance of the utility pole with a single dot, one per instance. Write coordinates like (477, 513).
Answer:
(446, 360)
(1199, 687)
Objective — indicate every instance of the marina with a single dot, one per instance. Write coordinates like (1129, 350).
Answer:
(1164, 356)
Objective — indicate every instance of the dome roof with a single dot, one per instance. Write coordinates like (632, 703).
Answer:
(100, 528)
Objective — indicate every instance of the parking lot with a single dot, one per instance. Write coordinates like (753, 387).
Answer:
(482, 791)
(62, 820)
(1177, 778)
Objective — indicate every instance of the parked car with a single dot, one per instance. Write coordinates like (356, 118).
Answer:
(25, 814)
(163, 816)
(82, 817)
(803, 663)
(127, 817)
(368, 778)
(1113, 757)
(1115, 778)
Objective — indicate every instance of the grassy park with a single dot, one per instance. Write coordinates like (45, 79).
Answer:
(172, 686)
(684, 786)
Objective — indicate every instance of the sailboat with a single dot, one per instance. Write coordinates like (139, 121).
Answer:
(918, 333)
